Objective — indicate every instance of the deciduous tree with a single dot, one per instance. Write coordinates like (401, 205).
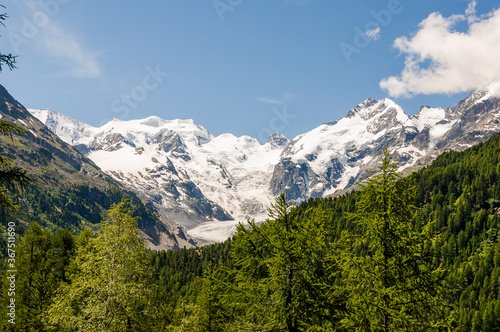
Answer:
(110, 288)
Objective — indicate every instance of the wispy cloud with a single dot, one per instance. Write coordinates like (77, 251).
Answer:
(470, 12)
(440, 59)
(58, 43)
(277, 101)
(64, 46)
(373, 34)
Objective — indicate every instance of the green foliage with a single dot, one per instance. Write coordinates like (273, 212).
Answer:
(390, 277)
(213, 315)
(12, 177)
(281, 269)
(74, 207)
(186, 282)
(42, 261)
(6, 59)
(365, 261)
(106, 290)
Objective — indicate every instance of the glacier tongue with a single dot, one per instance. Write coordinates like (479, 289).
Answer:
(209, 183)
(189, 174)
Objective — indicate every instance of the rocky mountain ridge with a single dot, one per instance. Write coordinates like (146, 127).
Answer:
(189, 174)
(336, 155)
(70, 190)
(194, 177)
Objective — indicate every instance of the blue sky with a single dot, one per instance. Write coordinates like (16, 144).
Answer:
(249, 67)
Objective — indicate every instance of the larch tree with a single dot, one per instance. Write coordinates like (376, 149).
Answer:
(281, 268)
(389, 274)
(42, 260)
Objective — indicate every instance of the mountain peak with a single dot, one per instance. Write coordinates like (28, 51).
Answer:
(492, 91)
(367, 103)
(153, 121)
(277, 140)
(194, 177)
(371, 108)
(67, 128)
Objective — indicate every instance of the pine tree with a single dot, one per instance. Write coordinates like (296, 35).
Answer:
(109, 289)
(392, 283)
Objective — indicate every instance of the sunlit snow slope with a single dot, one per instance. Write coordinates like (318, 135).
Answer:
(189, 174)
(194, 177)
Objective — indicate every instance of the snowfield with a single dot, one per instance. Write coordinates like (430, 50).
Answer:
(210, 183)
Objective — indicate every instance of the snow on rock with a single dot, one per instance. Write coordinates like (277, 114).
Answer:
(491, 91)
(210, 183)
(68, 129)
(179, 165)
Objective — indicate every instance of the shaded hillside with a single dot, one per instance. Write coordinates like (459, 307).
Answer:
(70, 190)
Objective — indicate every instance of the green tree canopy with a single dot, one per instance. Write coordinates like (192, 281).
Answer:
(109, 287)
(281, 268)
(390, 277)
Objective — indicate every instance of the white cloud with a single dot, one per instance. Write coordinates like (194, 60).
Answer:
(58, 43)
(64, 46)
(277, 101)
(373, 34)
(470, 12)
(440, 59)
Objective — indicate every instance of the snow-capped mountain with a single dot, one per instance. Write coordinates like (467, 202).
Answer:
(83, 191)
(189, 174)
(193, 176)
(336, 155)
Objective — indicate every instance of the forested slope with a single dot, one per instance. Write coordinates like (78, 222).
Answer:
(458, 196)
(425, 249)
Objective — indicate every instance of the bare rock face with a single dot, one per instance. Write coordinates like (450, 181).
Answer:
(295, 179)
(170, 141)
(109, 142)
(278, 140)
(194, 177)
(336, 155)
